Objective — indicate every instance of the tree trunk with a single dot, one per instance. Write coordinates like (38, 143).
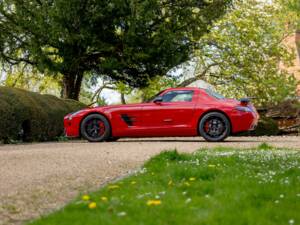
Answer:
(123, 100)
(72, 85)
(298, 42)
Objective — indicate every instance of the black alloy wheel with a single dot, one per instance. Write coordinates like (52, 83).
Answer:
(214, 127)
(95, 128)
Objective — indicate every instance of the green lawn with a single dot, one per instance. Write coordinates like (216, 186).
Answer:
(220, 186)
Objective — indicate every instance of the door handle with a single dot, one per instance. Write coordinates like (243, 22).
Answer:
(168, 120)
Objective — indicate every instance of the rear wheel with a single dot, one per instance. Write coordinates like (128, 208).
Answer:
(95, 128)
(214, 126)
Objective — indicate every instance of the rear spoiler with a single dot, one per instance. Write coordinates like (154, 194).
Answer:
(245, 101)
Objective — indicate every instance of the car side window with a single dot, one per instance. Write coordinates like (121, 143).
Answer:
(178, 96)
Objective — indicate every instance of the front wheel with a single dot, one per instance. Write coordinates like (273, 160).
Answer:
(95, 128)
(214, 127)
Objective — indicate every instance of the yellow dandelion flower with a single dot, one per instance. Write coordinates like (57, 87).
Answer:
(133, 182)
(92, 205)
(111, 187)
(192, 178)
(153, 202)
(104, 199)
(85, 197)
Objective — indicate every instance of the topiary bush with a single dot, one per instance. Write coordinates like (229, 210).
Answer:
(30, 116)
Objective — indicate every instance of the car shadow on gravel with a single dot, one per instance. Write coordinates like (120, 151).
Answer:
(188, 141)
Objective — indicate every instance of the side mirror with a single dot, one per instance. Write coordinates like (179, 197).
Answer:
(158, 100)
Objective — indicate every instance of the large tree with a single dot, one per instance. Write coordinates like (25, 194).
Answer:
(244, 52)
(127, 40)
(30, 79)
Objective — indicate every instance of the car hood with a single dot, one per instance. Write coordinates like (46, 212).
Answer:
(119, 106)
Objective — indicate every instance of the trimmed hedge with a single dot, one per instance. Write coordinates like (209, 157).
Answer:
(30, 116)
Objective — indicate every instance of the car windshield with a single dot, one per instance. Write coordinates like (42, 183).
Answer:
(214, 94)
(153, 97)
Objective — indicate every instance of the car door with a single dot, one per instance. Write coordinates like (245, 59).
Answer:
(170, 117)
(125, 119)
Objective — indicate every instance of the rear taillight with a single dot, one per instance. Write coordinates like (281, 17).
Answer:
(243, 109)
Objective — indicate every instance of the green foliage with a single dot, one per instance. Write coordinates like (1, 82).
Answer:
(30, 79)
(265, 146)
(31, 116)
(294, 6)
(246, 47)
(266, 127)
(61, 138)
(87, 93)
(130, 41)
(222, 186)
(155, 85)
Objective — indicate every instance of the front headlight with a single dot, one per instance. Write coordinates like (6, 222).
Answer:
(243, 109)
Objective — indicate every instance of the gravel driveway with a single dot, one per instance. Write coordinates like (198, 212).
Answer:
(38, 178)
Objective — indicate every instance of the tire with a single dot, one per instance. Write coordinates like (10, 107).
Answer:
(95, 128)
(214, 127)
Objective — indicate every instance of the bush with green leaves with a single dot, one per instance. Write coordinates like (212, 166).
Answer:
(29, 116)
(266, 127)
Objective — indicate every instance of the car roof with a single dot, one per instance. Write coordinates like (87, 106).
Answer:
(184, 89)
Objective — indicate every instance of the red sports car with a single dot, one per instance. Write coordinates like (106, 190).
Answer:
(172, 112)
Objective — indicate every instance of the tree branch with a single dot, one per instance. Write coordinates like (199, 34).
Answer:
(98, 92)
(197, 77)
(15, 61)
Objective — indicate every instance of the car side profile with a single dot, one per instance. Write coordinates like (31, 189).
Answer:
(175, 112)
